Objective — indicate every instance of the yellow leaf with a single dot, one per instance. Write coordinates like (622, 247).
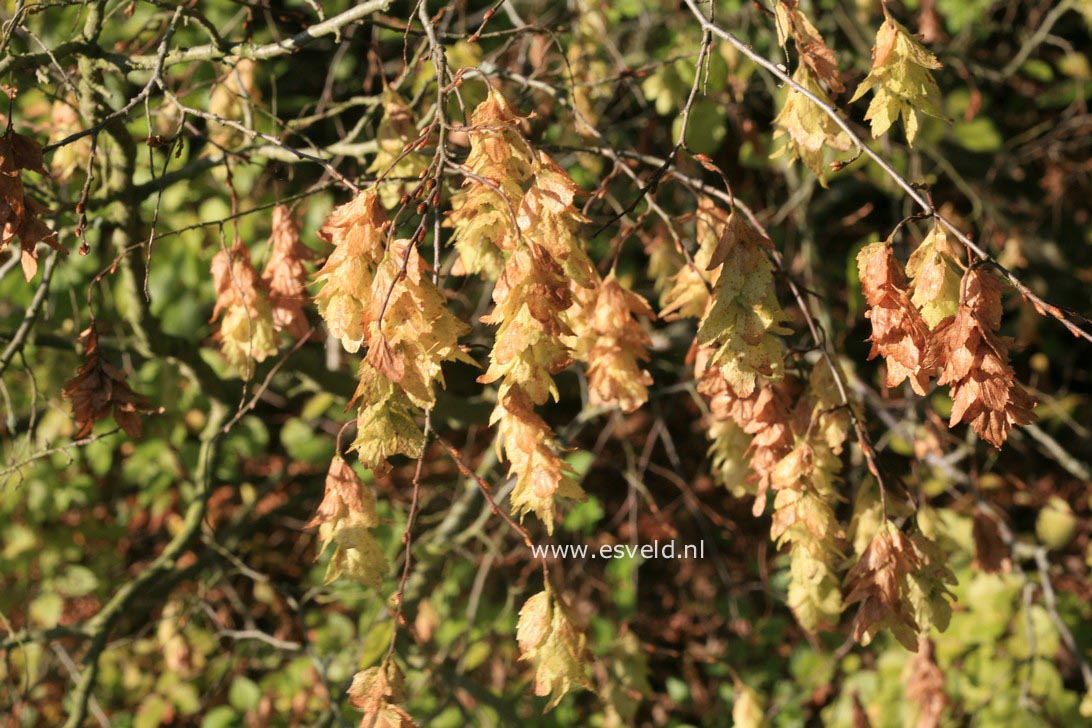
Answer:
(901, 75)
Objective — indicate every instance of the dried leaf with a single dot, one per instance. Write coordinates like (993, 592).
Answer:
(377, 692)
(610, 339)
(900, 583)
(808, 132)
(19, 214)
(549, 639)
(409, 327)
(744, 318)
(528, 445)
(879, 581)
(386, 422)
(345, 518)
(804, 519)
(99, 388)
(246, 327)
(925, 686)
(286, 275)
(531, 297)
(899, 333)
(483, 213)
(356, 229)
(813, 50)
(974, 362)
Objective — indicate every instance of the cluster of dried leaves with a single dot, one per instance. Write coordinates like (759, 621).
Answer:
(376, 692)
(901, 585)
(254, 309)
(19, 213)
(771, 431)
(901, 79)
(918, 342)
(547, 637)
(516, 222)
(100, 389)
(345, 518)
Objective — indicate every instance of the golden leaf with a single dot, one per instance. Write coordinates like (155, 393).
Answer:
(386, 423)
(483, 213)
(345, 518)
(549, 639)
(902, 79)
(807, 131)
(934, 277)
(542, 477)
(356, 229)
(610, 339)
(744, 318)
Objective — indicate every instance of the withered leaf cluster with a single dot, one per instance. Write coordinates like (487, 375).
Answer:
(807, 130)
(345, 519)
(99, 389)
(611, 340)
(974, 362)
(900, 583)
(20, 215)
(963, 350)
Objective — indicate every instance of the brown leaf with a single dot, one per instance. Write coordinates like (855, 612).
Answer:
(99, 388)
(974, 362)
(813, 50)
(286, 275)
(345, 496)
(19, 214)
(878, 581)
(925, 686)
(610, 339)
(990, 552)
(899, 333)
(765, 415)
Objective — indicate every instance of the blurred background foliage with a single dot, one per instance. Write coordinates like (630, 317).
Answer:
(240, 630)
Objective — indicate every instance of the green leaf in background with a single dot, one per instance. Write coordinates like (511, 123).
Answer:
(244, 693)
